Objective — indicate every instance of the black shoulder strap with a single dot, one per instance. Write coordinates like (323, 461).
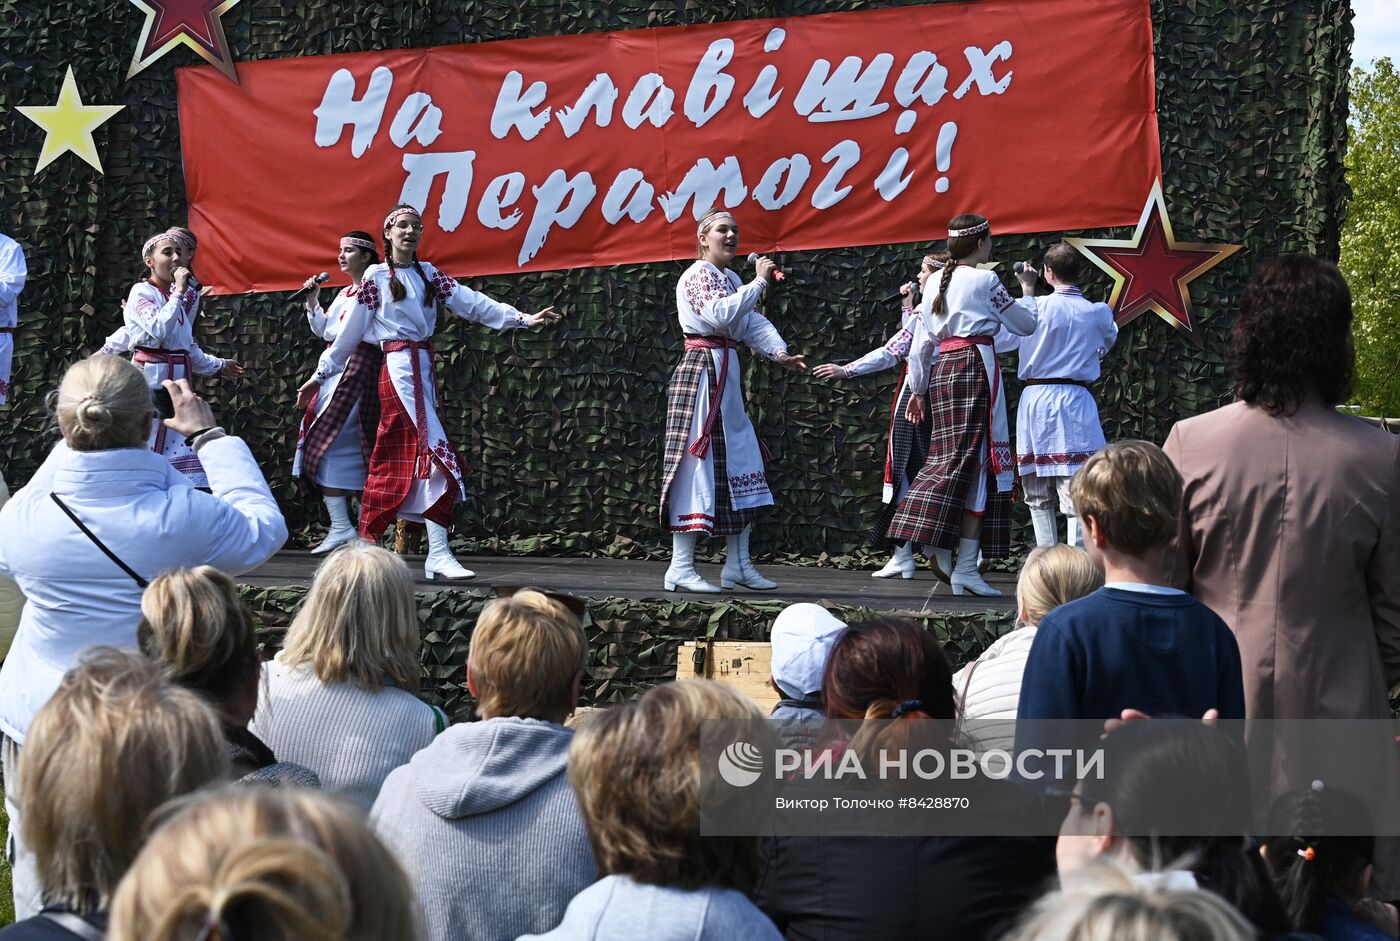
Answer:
(72, 923)
(98, 542)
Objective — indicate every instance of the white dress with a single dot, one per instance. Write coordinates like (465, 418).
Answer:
(383, 321)
(12, 275)
(343, 467)
(160, 328)
(712, 302)
(1057, 426)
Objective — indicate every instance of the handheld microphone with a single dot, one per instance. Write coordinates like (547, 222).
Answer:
(777, 275)
(321, 278)
(1018, 267)
(898, 294)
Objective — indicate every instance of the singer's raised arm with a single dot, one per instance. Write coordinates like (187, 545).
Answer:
(352, 333)
(715, 301)
(462, 301)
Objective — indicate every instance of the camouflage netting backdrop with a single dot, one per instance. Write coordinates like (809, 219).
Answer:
(564, 426)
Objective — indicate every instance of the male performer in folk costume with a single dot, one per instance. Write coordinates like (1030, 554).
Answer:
(713, 477)
(415, 473)
(12, 275)
(963, 494)
(1057, 422)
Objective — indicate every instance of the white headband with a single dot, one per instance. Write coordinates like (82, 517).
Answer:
(977, 229)
(350, 241)
(399, 213)
(709, 219)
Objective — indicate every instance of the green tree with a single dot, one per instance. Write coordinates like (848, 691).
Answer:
(1371, 237)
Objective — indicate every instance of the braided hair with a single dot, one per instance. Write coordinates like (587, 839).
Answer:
(1325, 841)
(959, 247)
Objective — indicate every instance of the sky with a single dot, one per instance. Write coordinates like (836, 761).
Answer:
(1377, 26)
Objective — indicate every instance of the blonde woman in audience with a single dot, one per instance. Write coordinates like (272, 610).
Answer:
(483, 818)
(639, 776)
(339, 698)
(139, 517)
(989, 688)
(113, 743)
(197, 628)
(1106, 903)
(254, 864)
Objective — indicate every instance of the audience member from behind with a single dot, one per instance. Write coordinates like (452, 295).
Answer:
(893, 674)
(1173, 798)
(1135, 643)
(801, 639)
(1321, 861)
(643, 788)
(483, 818)
(113, 743)
(1105, 903)
(989, 688)
(339, 698)
(130, 501)
(1290, 529)
(271, 865)
(194, 624)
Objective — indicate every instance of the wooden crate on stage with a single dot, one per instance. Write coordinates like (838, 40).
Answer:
(743, 664)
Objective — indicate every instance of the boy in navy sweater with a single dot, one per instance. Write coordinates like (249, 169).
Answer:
(1135, 643)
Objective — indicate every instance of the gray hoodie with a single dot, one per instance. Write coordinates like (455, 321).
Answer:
(619, 909)
(485, 823)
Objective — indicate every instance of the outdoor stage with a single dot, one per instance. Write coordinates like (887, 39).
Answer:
(617, 578)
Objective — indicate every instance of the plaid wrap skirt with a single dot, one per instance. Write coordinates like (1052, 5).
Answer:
(357, 385)
(394, 461)
(931, 512)
(907, 451)
(695, 367)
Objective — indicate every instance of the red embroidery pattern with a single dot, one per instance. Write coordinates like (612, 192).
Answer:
(4, 388)
(745, 484)
(1002, 454)
(443, 286)
(449, 460)
(369, 294)
(705, 285)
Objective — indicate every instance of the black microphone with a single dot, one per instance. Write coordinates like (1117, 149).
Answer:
(321, 278)
(900, 293)
(1018, 267)
(777, 275)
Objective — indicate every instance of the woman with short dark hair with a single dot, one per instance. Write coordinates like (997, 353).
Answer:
(1290, 517)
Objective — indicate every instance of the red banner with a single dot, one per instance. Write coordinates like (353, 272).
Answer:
(572, 151)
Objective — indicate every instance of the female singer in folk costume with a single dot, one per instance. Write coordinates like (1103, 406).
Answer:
(338, 428)
(907, 446)
(13, 271)
(963, 494)
(713, 478)
(158, 321)
(1057, 421)
(414, 471)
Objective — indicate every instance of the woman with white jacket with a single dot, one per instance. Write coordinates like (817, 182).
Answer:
(102, 516)
(989, 688)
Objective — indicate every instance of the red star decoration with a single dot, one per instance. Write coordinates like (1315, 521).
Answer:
(1152, 270)
(193, 23)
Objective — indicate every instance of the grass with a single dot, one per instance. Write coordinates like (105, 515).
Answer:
(7, 896)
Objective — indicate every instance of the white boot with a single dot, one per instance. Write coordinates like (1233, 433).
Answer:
(342, 530)
(966, 578)
(738, 567)
(1046, 530)
(681, 576)
(901, 564)
(1074, 533)
(441, 563)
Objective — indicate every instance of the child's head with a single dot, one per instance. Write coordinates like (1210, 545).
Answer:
(1323, 845)
(1052, 576)
(1129, 496)
(1063, 263)
(803, 635)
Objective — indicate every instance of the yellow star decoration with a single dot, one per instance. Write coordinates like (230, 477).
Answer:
(68, 125)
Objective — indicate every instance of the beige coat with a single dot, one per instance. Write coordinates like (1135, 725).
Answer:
(1290, 531)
